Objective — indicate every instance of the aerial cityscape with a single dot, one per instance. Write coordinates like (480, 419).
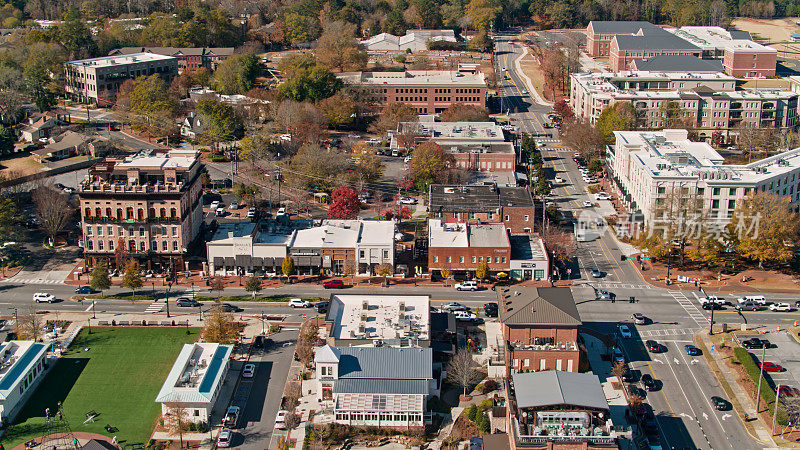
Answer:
(403, 224)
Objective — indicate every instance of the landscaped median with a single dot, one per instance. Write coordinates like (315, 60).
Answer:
(745, 358)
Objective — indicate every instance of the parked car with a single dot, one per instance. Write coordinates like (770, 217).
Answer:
(720, 403)
(596, 273)
(490, 309)
(280, 419)
(558, 180)
(602, 196)
(624, 331)
(214, 205)
(587, 204)
(618, 355)
(638, 318)
(43, 297)
(234, 205)
(299, 303)
(691, 350)
(322, 307)
(224, 439)
(605, 295)
(650, 383)
(333, 284)
(780, 307)
(467, 286)
(220, 211)
(231, 416)
(756, 343)
(788, 391)
(466, 316)
(84, 290)
(652, 346)
(770, 367)
(248, 371)
(403, 200)
(227, 307)
(454, 306)
(187, 302)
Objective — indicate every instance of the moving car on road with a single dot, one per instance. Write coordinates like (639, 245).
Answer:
(467, 286)
(466, 316)
(720, 403)
(691, 350)
(490, 309)
(227, 307)
(44, 297)
(596, 273)
(322, 307)
(605, 295)
(299, 303)
(333, 284)
(649, 382)
(652, 346)
(187, 302)
(587, 204)
(780, 307)
(84, 290)
(454, 306)
(638, 318)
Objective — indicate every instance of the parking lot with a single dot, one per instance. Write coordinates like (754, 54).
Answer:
(784, 351)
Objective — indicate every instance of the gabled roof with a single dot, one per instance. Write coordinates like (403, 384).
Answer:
(389, 363)
(538, 306)
(618, 26)
(554, 388)
(327, 354)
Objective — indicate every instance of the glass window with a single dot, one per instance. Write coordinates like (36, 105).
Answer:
(715, 191)
(175, 231)
(435, 259)
(461, 259)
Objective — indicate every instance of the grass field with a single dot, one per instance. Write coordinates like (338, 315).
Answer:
(118, 377)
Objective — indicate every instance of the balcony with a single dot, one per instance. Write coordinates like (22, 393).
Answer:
(556, 347)
(114, 188)
(576, 435)
(95, 219)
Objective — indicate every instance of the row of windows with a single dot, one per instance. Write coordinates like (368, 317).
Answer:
(131, 246)
(497, 259)
(411, 91)
(129, 213)
(468, 99)
(28, 380)
(386, 417)
(109, 230)
(526, 364)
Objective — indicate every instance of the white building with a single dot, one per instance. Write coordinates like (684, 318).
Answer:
(22, 364)
(648, 166)
(376, 386)
(379, 320)
(97, 80)
(414, 40)
(195, 380)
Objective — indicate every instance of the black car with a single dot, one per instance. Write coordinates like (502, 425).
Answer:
(262, 341)
(84, 290)
(720, 403)
(755, 343)
(710, 305)
(652, 346)
(227, 307)
(649, 382)
(630, 375)
(322, 307)
(490, 309)
(187, 302)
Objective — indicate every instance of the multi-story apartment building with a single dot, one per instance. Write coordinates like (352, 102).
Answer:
(429, 91)
(540, 329)
(191, 58)
(709, 101)
(97, 80)
(599, 34)
(476, 204)
(651, 166)
(648, 42)
(147, 207)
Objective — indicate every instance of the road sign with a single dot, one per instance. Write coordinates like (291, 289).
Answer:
(712, 348)
(304, 316)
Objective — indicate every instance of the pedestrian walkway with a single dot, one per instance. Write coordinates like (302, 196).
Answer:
(154, 307)
(620, 285)
(669, 332)
(38, 277)
(691, 308)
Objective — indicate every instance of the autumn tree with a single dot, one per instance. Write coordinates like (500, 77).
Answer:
(428, 162)
(151, 106)
(287, 266)
(618, 369)
(463, 370)
(391, 115)
(618, 117)
(314, 84)
(221, 122)
(344, 204)
(53, 209)
(762, 225)
(459, 112)
(29, 326)
(312, 167)
(553, 68)
(253, 285)
(562, 108)
(562, 245)
(132, 279)
(584, 138)
(98, 278)
(482, 270)
(217, 285)
(219, 326)
(368, 165)
(236, 74)
(672, 114)
(384, 270)
(482, 13)
(339, 110)
(337, 48)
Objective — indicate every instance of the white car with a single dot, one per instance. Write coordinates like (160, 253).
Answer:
(712, 299)
(43, 297)
(214, 205)
(249, 371)
(625, 331)
(587, 204)
(286, 137)
(757, 299)
(780, 307)
(465, 316)
(602, 196)
(467, 286)
(558, 180)
(280, 419)
(281, 212)
(224, 439)
(406, 201)
(299, 303)
(231, 416)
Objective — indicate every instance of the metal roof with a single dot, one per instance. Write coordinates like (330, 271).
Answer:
(554, 387)
(480, 198)
(654, 39)
(373, 386)
(669, 63)
(618, 26)
(386, 363)
(521, 305)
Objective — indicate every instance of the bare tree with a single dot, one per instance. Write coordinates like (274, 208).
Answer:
(29, 326)
(176, 419)
(562, 245)
(53, 210)
(220, 327)
(463, 370)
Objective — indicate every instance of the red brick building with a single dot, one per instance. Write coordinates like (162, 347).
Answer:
(463, 247)
(599, 34)
(511, 206)
(540, 329)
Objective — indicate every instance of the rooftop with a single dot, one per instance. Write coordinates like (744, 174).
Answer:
(16, 359)
(474, 198)
(456, 234)
(677, 63)
(233, 230)
(654, 38)
(385, 318)
(173, 159)
(175, 51)
(414, 77)
(197, 372)
(713, 38)
(457, 131)
(555, 388)
(118, 60)
(527, 247)
(618, 26)
(520, 305)
(346, 234)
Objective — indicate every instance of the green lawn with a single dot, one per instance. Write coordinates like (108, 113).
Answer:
(118, 377)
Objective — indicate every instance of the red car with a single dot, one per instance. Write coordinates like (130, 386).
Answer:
(788, 391)
(333, 284)
(771, 367)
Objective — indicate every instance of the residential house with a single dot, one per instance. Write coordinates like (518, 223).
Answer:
(68, 144)
(39, 126)
(193, 125)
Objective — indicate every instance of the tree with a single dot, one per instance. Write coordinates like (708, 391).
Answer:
(562, 245)
(236, 74)
(584, 138)
(253, 285)
(7, 140)
(445, 272)
(349, 268)
(459, 112)
(618, 117)
(384, 270)
(217, 285)
(132, 279)
(595, 166)
(29, 326)
(369, 166)
(287, 266)
(391, 115)
(53, 210)
(762, 226)
(300, 28)
(344, 204)
(151, 106)
(222, 123)
(482, 271)
(339, 110)
(481, 42)
(542, 186)
(313, 167)
(618, 369)
(176, 418)
(337, 48)
(562, 108)
(482, 13)
(463, 370)
(553, 68)
(428, 162)
(314, 84)
(219, 326)
(98, 278)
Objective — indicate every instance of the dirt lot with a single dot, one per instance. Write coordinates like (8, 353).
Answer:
(768, 31)
(19, 165)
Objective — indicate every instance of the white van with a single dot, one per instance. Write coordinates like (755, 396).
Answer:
(757, 299)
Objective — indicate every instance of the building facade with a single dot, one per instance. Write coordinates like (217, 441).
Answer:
(147, 207)
(463, 247)
(191, 58)
(97, 80)
(740, 55)
(599, 34)
(428, 91)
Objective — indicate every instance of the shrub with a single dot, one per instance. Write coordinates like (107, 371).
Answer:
(745, 358)
(488, 386)
(472, 412)
(486, 405)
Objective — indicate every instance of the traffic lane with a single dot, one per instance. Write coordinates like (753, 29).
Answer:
(264, 397)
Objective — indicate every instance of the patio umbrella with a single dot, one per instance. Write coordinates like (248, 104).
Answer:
(502, 275)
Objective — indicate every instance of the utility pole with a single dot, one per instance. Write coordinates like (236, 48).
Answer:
(166, 300)
(775, 414)
(761, 375)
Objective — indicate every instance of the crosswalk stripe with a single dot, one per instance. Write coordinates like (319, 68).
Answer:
(154, 307)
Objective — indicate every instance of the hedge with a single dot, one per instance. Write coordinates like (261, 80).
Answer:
(767, 390)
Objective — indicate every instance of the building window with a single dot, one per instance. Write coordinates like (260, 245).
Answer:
(526, 230)
(461, 259)
(662, 190)
(714, 204)
(473, 259)
(111, 245)
(435, 259)
(141, 246)
(507, 218)
(526, 217)
(89, 230)
(361, 254)
(174, 231)
(110, 230)
(716, 191)
(733, 191)
(449, 259)
(386, 254)
(100, 245)
(503, 259)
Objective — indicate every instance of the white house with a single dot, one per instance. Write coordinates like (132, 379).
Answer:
(195, 380)
(38, 126)
(376, 386)
(22, 364)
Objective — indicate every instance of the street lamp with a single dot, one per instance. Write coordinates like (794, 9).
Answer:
(669, 264)
(166, 300)
(94, 315)
(761, 375)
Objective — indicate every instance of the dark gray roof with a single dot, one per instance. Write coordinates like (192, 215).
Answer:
(740, 34)
(175, 51)
(521, 305)
(654, 39)
(362, 386)
(475, 198)
(683, 63)
(386, 363)
(618, 26)
(554, 387)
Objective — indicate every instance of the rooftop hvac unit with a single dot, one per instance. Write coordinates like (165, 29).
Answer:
(402, 306)
(365, 305)
(361, 328)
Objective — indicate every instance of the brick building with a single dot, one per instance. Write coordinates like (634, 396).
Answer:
(428, 91)
(599, 34)
(540, 329)
(649, 42)
(97, 80)
(511, 206)
(147, 207)
(462, 247)
(188, 57)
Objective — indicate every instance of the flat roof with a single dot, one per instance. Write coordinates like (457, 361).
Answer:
(168, 160)
(345, 234)
(474, 198)
(711, 38)
(527, 247)
(16, 360)
(458, 131)
(196, 373)
(669, 63)
(555, 388)
(379, 317)
(414, 77)
(119, 60)
(229, 230)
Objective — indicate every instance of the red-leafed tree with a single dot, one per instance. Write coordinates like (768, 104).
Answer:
(344, 204)
(563, 109)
